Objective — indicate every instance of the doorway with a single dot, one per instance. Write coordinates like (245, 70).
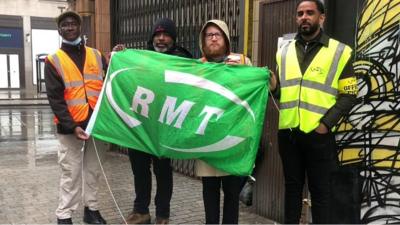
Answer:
(9, 71)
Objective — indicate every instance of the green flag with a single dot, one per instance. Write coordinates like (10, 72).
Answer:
(182, 108)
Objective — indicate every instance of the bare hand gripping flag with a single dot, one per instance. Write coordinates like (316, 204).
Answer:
(182, 108)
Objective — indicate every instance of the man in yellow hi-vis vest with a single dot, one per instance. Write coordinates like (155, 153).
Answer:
(316, 88)
(74, 78)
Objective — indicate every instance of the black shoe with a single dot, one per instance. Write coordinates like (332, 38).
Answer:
(64, 221)
(93, 217)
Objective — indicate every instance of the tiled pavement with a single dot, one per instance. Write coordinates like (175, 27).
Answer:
(29, 177)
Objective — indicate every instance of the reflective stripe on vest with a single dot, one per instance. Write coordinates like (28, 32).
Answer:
(306, 98)
(75, 102)
(81, 91)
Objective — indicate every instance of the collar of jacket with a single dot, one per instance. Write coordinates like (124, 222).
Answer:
(321, 38)
(217, 60)
(72, 48)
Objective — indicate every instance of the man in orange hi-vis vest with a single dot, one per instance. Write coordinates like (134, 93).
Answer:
(74, 78)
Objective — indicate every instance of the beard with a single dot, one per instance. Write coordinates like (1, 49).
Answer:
(308, 31)
(162, 48)
(214, 51)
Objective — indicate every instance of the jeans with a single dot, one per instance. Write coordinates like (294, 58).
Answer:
(162, 169)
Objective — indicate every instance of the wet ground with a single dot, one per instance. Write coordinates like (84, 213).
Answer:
(29, 175)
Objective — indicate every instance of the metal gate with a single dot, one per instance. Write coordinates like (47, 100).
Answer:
(132, 20)
(276, 19)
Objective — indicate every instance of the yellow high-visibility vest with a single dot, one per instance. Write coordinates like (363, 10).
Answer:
(305, 98)
(81, 91)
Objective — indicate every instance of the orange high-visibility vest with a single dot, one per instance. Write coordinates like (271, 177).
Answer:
(81, 91)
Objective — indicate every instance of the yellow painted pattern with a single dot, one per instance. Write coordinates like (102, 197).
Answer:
(389, 122)
(377, 18)
(344, 127)
(385, 158)
(384, 14)
(351, 155)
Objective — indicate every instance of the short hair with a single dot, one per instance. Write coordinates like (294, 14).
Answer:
(66, 14)
(320, 5)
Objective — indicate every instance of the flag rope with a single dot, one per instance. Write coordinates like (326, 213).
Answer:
(275, 104)
(108, 185)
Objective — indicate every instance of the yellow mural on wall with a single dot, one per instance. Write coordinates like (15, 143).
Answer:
(370, 135)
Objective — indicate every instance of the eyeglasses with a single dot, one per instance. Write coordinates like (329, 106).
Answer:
(210, 36)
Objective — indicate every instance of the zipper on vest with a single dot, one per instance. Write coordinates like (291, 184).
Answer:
(301, 82)
(83, 76)
(84, 88)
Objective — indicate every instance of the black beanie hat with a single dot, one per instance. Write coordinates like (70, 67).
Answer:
(164, 25)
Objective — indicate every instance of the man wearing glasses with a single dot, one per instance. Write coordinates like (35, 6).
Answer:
(215, 46)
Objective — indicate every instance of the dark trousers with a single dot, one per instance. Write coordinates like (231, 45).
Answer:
(140, 163)
(346, 196)
(312, 154)
(211, 198)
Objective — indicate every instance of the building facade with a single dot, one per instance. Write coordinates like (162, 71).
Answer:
(366, 186)
(27, 28)
(368, 139)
